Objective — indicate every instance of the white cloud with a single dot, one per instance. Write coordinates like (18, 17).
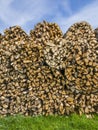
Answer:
(66, 6)
(88, 13)
(4, 9)
(24, 11)
(30, 10)
(11, 16)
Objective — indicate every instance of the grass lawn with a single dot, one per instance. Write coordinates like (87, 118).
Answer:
(73, 122)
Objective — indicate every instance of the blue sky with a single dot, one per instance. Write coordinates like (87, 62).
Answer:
(27, 13)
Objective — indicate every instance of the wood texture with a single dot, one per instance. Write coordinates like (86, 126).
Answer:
(46, 73)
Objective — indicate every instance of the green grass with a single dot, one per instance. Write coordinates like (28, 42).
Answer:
(73, 122)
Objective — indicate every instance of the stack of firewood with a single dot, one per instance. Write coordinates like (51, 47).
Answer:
(81, 69)
(86, 103)
(77, 56)
(45, 32)
(15, 33)
(12, 69)
(26, 82)
(48, 73)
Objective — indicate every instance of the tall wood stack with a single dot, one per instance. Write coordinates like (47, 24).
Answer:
(48, 73)
(45, 32)
(12, 70)
(77, 55)
(82, 63)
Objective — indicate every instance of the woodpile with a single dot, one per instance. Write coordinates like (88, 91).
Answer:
(48, 73)
(77, 56)
(14, 34)
(45, 32)
(82, 63)
(86, 103)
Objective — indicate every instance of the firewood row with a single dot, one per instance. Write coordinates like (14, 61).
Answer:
(81, 69)
(47, 73)
(45, 32)
(77, 56)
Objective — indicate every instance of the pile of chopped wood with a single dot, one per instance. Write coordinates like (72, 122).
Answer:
(48, 73)
(77, 56)
(81, 69)
(45, 32)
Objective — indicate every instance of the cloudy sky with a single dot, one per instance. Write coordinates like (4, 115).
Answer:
(27, 13)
